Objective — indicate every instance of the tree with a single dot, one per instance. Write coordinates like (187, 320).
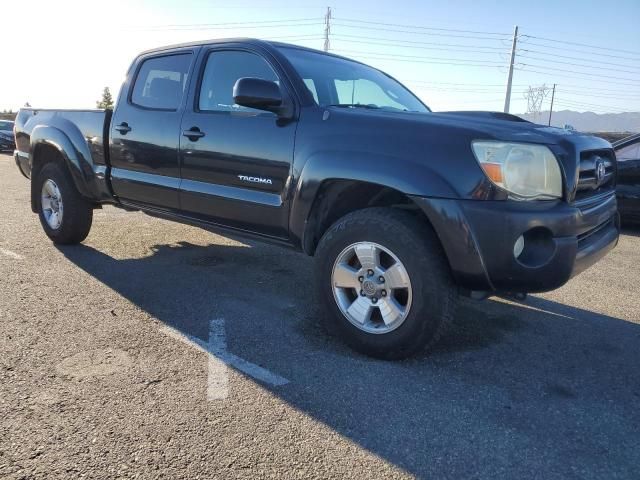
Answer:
(107, 99)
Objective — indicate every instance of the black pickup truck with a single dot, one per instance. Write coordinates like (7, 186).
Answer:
(404, 209)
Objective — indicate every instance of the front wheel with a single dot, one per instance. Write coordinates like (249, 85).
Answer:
(65, 215)
(384, 283)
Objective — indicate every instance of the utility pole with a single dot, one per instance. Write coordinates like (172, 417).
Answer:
(327, 29)
(507, 98)
(553, 94)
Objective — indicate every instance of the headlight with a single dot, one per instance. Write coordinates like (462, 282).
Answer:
(526, 171)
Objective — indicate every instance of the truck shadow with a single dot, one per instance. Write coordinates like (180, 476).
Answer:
(541, 389)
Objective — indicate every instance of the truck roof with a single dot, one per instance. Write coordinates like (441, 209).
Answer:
(248, 40)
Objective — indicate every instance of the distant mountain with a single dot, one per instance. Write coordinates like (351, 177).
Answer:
(589, 121)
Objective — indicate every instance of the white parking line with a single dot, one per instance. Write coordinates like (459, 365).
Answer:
(218, 375)
(11, 254)
(219, 359)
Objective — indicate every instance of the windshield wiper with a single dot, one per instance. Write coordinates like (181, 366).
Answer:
(354, 105)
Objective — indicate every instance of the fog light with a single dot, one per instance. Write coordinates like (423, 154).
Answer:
(518, 247)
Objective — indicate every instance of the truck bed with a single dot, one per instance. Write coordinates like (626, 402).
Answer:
(83, 133)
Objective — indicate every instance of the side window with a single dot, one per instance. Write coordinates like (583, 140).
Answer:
(222, 71)
(161, 81)
(630, 152)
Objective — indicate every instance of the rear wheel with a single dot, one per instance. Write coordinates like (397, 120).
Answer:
(383, 282)
(65, 215)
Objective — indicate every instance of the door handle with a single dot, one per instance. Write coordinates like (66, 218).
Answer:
(123, 128)
(193, 134)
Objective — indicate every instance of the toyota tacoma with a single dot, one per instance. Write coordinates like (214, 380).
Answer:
(404, 209)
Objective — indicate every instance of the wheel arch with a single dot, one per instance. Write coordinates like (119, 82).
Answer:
(338, 197)
(333, 183)
(50, 144)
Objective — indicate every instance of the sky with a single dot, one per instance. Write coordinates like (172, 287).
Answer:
(453, 54)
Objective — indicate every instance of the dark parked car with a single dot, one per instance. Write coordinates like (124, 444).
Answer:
(403, 208)
(628, 187)
(7, 142)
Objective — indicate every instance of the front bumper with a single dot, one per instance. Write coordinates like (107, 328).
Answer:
(561, 240)
(23, 162)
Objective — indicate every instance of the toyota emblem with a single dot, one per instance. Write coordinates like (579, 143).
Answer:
(601, 171)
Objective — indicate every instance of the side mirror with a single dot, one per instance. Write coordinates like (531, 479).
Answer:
(257, 93)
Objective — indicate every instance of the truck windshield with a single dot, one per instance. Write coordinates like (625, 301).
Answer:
(341, 82)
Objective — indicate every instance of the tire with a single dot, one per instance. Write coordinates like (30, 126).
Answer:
(429, 303)
(76, 214)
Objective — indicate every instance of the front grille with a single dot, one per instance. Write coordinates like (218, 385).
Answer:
(589, 182)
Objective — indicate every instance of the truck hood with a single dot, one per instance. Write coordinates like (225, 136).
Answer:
(507, 127)
(482, 125)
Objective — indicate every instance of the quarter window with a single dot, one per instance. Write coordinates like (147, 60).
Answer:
(312, 87)
(221, 73)
(161, 82)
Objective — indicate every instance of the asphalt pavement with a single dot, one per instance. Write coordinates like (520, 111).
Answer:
(158, 350)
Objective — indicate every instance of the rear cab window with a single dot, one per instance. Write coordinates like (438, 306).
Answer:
(161, 81)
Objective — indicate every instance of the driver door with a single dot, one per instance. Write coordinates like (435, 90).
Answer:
(236, 163)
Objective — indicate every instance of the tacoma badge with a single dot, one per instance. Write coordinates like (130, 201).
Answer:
(245, 178)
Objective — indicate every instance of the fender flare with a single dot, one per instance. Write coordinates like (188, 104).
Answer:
(411, 179)
(76, 156)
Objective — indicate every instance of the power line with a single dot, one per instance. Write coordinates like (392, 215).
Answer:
(577, 89)
(608, 55)
(422, 27)
(289, 20)
(344, 25)
(608, 82)
(580, 65)
(589, 107)
(393, 55)
(455, 89)
(572, 57)
(470, 84)
(621, 96)
(229, 27)
(589, 104)
(589, 89)
(581, 73)
(304, 35)
(564, 94)
(582, 44)
(475, 102)
(419, 45)
(394, 59)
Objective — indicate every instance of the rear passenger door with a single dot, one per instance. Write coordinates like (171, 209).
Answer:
(145, 130)
(236, 165)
